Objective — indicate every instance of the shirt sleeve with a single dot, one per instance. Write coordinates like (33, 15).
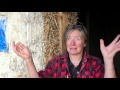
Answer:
(49, 71)
(99, 69)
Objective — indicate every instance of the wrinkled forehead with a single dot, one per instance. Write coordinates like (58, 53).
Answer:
(75, 31)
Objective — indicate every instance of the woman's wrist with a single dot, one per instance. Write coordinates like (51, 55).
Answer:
(109, 67)
(108, 60)
(28, 60)
(109, 64)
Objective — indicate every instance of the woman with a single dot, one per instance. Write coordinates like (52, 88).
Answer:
(75, 62)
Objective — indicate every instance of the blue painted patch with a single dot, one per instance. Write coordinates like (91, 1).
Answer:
(3, 43)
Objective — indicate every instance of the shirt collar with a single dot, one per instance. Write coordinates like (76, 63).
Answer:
(64, 57)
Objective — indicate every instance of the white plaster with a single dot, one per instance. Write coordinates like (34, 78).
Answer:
(25, 27)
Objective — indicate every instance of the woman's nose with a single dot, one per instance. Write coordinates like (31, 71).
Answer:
(72, 42)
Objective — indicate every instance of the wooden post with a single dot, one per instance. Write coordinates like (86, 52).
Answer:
(65, 24)
(60, 18)
(62, 22)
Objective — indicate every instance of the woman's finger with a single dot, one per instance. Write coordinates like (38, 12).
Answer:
(116, 39)
(118, 43)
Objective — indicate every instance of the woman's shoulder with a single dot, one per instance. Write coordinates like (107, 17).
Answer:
(95, 58)
(89, 56)
(58, 57)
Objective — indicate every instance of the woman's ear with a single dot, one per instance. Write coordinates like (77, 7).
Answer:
(85, 44)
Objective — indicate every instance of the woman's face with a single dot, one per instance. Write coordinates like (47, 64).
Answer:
(75, 42)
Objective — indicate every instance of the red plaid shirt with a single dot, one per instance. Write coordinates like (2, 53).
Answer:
(92, 67)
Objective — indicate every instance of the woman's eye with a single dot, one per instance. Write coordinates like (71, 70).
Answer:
(78, 38)
(68, 38)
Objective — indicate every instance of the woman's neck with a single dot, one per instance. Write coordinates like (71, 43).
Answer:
(75, 59)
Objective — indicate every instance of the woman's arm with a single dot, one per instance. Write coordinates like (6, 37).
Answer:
(108, 53)
(24, 52)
